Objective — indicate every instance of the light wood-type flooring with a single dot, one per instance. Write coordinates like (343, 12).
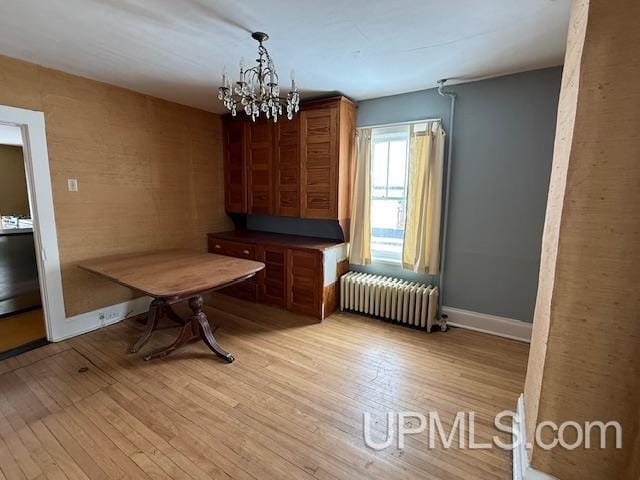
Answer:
(20, 328)
(289, 407)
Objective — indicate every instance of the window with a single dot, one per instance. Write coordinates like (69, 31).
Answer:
(389, 154)
(389, 171)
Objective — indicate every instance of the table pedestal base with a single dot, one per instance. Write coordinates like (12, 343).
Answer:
(196, 327)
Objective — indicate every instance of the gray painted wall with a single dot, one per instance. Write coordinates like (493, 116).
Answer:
(502, 152)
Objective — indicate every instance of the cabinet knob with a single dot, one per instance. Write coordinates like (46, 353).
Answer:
(217, 247)
(246, 252)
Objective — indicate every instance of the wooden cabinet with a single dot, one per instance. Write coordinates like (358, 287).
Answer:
(301, 274)
(299, 168)
(259, 159)
(273, 279)
(235, 172)
(327, 151)
(247, 290)
(305, 285)
(287, 168)
(319, 152)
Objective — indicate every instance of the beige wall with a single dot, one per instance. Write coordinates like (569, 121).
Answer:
(149, 172)
(14, 197)
(553, 217)
(585, 355)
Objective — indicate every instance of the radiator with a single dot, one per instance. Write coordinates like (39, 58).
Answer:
(389, 298)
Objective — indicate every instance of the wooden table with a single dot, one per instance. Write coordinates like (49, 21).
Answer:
(171, 276)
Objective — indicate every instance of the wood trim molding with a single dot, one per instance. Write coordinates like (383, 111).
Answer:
(89, 321)
(492, 324)
(323, 102)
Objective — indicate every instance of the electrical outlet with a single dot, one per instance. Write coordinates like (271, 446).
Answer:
(72, 184)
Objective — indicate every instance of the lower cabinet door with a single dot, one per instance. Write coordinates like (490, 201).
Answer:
(292, 278)
(247, 290)
(272, 281)
(305, 277)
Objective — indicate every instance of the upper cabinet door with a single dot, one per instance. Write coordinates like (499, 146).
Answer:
(287, 167)
(259, 151)
(319, 162)
(235, 172)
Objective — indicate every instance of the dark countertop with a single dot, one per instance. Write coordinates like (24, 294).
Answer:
(278, 239)
(5, 232)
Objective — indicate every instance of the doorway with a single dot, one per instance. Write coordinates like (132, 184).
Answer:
(22, 325)
(41, 242)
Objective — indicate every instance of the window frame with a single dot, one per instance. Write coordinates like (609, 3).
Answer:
(387, 134)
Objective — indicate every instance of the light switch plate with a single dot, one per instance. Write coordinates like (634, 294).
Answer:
(72, 183)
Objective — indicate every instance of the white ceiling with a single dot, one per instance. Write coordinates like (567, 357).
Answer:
(10, 135)
(177, 49)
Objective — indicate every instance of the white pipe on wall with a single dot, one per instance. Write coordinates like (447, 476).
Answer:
(395, 124)
(445, 220)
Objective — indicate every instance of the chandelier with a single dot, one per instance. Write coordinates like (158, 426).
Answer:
(257, 90)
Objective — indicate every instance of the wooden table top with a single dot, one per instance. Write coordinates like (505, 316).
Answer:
(172, 273)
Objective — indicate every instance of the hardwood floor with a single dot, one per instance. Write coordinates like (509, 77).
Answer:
(21, 328)
(289, 407)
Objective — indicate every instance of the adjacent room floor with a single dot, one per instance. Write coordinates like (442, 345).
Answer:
(290, 407)
(21, 328)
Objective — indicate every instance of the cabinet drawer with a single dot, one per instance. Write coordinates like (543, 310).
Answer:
(232, 249)
(247, 290)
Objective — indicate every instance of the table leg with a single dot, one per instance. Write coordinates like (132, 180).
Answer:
(152, 322)
(205, 330)
(195, 327)
(188, 332)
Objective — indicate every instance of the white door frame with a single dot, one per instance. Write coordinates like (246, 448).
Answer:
(45, 237)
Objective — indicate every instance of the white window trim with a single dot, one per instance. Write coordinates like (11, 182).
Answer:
(386, 261)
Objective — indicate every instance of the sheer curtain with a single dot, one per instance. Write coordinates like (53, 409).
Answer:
(421, 246)
(360, 250)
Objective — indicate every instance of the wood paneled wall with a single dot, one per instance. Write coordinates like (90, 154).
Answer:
(149, 172)
(585, 354)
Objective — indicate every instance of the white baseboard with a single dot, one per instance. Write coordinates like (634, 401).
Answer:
(86, 322)
(482, 322)
(522, 470)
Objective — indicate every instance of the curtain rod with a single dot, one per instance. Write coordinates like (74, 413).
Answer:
(426, 120)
